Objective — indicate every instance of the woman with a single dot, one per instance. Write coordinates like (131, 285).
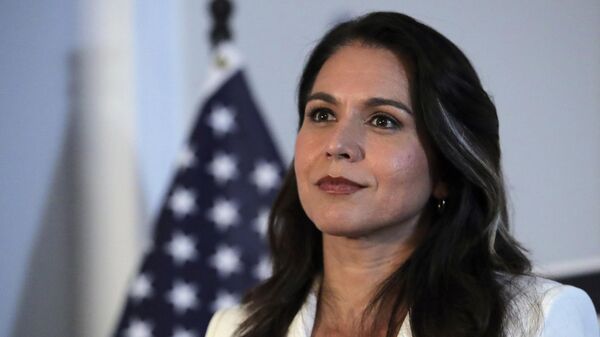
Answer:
(393, 220)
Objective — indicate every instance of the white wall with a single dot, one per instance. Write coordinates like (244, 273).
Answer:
(540, 60)
(35, 40)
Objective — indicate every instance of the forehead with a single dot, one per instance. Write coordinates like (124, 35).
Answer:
(364, 71)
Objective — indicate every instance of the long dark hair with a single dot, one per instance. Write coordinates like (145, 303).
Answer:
(454, 283)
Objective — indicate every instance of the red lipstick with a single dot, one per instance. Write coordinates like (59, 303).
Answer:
(338, 185)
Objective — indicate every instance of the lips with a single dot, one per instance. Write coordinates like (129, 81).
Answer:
(338, 185)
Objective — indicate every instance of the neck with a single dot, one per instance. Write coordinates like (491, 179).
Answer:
(354, 268)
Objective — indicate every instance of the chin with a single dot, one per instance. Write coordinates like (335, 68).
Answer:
(345, 233)
(342, 228)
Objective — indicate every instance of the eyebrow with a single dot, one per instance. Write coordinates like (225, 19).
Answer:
(371, 102)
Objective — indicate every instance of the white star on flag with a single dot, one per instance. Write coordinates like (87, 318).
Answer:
(226, 261)
(263, 269)
(180, 332)
(224, 214)
(182, 248)
(261, 222)
(224, 300)
(183, 296)
(265, 176)
(182, 202)
(221, 120)
(186, 158)
(141, 287)
(223, 168)
(138, 328)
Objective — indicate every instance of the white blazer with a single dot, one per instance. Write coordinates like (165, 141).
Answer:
(566, 312)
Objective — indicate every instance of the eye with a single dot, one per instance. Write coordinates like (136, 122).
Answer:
(384, 122)
(319, 115)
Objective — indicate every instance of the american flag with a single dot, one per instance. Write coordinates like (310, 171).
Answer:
(209, 245)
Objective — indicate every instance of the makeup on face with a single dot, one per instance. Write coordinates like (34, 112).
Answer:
(359, 162)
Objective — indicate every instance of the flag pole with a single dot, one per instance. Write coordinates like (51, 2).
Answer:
(221, 11)
(209, 245)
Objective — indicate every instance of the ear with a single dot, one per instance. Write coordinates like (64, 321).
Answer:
(440, 190)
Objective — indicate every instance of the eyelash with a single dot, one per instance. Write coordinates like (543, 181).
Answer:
(314, 113)
(392, 123)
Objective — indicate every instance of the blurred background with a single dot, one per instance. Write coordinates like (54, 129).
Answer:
(97, 97)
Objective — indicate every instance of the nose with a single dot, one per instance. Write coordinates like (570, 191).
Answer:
(345, 143)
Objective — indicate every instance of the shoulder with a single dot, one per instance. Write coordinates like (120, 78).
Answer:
(568, 311)
(550, 309)
(225, 322)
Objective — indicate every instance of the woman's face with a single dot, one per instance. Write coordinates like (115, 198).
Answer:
(360, 165)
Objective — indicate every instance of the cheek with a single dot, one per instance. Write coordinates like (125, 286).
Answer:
(304, 153)
(405, 172)
(413, 163)
(304, 157)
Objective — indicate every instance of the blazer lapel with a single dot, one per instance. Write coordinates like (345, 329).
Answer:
(405, 327)
(303, 322)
